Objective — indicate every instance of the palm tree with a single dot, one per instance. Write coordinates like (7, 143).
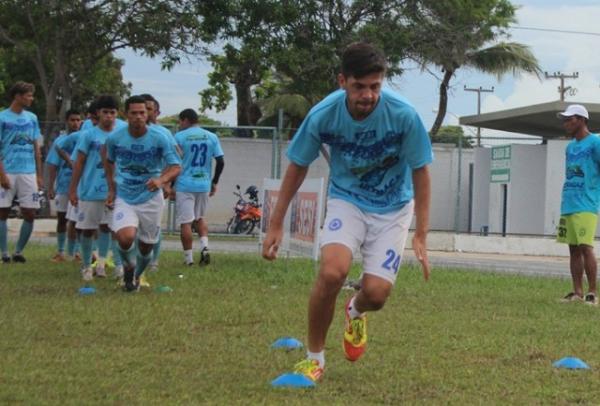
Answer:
(499, 59)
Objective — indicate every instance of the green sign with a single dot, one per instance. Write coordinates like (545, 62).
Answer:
(500, 166)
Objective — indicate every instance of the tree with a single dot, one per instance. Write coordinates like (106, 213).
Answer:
(465, 33)
(65, 39)
(451, 134)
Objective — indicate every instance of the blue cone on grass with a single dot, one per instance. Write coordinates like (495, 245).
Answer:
(292, 381)
(289, 343)
(571, 363)
(87, 290)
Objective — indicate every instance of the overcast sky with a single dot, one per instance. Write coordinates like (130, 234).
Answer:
(568, 53)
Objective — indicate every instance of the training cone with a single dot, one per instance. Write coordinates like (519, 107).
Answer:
(571, 363)
(292, 381)
(87, 290)
(289, 343)
(164, 289)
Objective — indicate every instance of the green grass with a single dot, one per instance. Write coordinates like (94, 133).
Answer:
(463, 338)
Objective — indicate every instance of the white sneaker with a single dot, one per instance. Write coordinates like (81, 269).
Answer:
(87, 274)
(118, 272)
(153, 267)
(100, 272)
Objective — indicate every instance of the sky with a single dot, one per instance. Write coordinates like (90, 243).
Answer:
(568, 53)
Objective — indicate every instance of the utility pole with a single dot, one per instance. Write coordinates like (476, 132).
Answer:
(562, 89)
(479, 90)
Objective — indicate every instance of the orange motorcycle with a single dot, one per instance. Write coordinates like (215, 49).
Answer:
(247, 212)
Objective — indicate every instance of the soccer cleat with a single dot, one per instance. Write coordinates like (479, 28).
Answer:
(18, 258)
(100, 272)
(87, 274)
(110, 263)
(309, 368)
(571, 297)
(204, 257)
(355, 336)
(5, 259)
(118, 272)
(77, 257)
(591, 299)
(128, 278)
(143, 282)
(58, 257)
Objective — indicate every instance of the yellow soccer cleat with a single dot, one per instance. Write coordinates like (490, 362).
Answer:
(144, 282)
(309, 368)
(355, 336)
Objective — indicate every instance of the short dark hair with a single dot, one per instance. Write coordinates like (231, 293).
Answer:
(92, 108)
(20, 87)
(71, 112)
(134, 100)
(149, 97)
(106, 102)
(189, 115)
(361, 59)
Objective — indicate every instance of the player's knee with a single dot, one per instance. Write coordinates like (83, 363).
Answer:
(376, 296)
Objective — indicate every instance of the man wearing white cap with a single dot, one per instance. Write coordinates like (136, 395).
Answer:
(580, 202)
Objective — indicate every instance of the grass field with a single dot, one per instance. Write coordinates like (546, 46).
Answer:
(463, 338)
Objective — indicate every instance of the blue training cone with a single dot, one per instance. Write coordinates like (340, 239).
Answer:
(571, 363)
(292, 381)
(289, 343)
(164, 289)
(87, 290)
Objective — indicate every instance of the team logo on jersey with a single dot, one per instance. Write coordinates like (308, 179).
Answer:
(119, 216)
(335, 224)
(81, 217)
(137, 147)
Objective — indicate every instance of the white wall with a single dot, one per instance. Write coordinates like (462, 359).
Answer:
(555, 177)
(481, 189)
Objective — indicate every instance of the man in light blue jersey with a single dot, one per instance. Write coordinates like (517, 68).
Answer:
(195, 184)
(20, 166)
(60, 171)
(378, 176)
(153, 110)
(134, 158)
(580, 202)
(88, 188)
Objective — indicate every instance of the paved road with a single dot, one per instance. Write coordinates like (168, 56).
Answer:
(502, 263)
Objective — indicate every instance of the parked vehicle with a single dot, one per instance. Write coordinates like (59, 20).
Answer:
(247, 213)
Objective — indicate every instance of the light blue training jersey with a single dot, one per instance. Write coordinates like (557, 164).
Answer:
(167, 133)
(581, 190)
(92, 184)
(371, 160)
(18, 134)
(199, 147)
(138, 160)
(64, 171)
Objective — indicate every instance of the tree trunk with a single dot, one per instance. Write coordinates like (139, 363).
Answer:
(443, 104)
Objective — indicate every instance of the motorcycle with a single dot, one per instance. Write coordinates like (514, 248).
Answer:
(247, 212)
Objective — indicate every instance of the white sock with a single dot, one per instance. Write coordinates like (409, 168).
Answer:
(189, 257)
(203, 243)
(354, 314)
(101, 262)
(319, 356)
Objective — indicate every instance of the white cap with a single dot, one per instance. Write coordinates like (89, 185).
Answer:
(574, 110)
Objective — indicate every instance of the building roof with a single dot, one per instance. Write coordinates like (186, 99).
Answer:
(537, 119)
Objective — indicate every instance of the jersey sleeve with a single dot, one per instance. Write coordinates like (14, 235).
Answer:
(170, 155)
(417, 144)
(217, 150)
(36, 127)
(83, 144)
(53, 158)
(110, 148)
(304, 148)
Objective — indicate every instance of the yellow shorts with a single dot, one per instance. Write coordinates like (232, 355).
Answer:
(577, 229)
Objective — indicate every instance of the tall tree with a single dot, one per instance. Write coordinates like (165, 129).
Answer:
(452, 34)
(63, 39)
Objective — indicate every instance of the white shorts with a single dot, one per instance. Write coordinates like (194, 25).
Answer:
(380, 237)
(72, 212)
(145, 217)
(91, 214)
(190, 206)
(25, 187)
(62, 202)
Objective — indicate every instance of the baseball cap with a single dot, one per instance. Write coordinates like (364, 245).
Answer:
(574, 110)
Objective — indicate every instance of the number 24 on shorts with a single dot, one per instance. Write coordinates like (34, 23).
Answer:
(392, 262)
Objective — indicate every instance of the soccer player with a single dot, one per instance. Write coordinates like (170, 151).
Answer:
(20, 166)
(194, 185)
(134, 159)
(153, 109)
(580, 202)
(60, 171)
(379, 156)
(88, 187)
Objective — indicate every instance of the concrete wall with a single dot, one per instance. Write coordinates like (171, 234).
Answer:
(481, 190)
(248, 162)
(555, 177)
